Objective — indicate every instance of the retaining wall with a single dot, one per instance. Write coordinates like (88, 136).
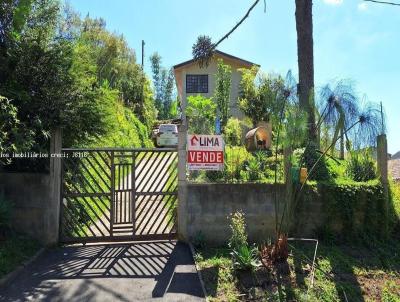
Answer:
(30, 194)
(209, 205)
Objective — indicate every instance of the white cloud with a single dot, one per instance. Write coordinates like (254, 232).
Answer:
(333, 2)
(362, 6)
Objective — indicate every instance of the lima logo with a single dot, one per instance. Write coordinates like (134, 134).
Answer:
(204, 141)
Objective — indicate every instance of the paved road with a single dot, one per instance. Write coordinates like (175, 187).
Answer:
(160, 271)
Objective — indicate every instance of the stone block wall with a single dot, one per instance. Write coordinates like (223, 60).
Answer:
(30, 194)
(209, 205)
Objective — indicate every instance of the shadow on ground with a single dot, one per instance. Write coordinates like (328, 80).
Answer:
(118, 272)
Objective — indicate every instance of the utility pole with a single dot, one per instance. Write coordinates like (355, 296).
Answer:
(142, 54)
(141, 104)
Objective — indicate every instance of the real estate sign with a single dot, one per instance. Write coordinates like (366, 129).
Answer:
(205, 152)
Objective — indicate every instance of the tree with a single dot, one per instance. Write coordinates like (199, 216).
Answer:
(116, 63)
(305, 54)
(222, 91)
(259, 99)
(334, 102)
(155, 60)
(61, 71)
(13, 136)
(201, 114)
(163, 81)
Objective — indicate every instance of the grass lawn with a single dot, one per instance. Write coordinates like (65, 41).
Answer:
(360, 273)
(14, 251)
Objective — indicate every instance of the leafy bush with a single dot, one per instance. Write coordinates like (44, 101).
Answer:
(215, 176)
(361, 167)
(350, 209)
(222, 90)
(310, 157)
(201, 113)
(238, 228)
(245, 257)
(260, 99)
(235, 159)
(233, 132)
(127, 132)
(14, 136)
(253, 169)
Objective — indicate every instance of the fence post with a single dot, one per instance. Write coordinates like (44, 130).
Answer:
(287, 154)
(382, 162)
(52, 221)
(182, 182)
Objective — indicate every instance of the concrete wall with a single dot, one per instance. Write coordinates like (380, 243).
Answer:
(36, 197)
(30, 194)
(209, 205)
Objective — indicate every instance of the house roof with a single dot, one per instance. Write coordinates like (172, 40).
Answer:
(394, 168)
(396, 155)
(221, 53)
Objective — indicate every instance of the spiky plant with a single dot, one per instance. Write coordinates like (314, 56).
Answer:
(338, 110)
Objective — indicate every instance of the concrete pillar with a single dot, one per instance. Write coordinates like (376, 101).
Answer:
(382, 161)
(182, 182)
(287, 155)
(52, 220)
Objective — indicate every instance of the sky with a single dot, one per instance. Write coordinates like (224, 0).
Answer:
(353, 39)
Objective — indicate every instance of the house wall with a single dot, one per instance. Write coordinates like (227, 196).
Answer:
(211, 70)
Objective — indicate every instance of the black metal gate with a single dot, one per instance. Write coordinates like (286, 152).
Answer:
(118, 194)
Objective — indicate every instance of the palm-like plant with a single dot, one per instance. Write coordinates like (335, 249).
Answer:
(339, 109)
(245, 257)
(362, 124)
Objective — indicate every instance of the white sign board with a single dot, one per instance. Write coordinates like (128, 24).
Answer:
(205, 152)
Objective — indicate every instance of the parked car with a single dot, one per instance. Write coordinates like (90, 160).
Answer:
(167, 135)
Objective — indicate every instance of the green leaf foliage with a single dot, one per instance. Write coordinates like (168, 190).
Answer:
(233, 132)
(260, 98)
(350, 210)
(222, 91)
(201, 114)
(68, 72)
(361, 166)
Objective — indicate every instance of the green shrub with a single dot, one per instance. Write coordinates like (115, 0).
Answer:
(361, 167)
(245, 257)
(350, 210)
(235, 157)
(394, 224)
(311, 156)
(238, 230)
(337, 168)
(253, 169)
(201, 113)
(215, 176)
(233, 132)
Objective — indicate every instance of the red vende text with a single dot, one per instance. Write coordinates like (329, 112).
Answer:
(206, 157)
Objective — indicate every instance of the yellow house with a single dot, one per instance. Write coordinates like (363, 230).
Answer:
(192, 80)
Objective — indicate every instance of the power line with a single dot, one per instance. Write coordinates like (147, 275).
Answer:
(383, 2)
(238, 24)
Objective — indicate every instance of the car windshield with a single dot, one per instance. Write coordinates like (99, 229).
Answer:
(168, 128)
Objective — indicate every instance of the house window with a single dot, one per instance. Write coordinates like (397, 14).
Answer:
(196, 83)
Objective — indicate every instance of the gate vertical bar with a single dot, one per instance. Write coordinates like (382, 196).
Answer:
(112, 199)
(61, 213)
(133, 193)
